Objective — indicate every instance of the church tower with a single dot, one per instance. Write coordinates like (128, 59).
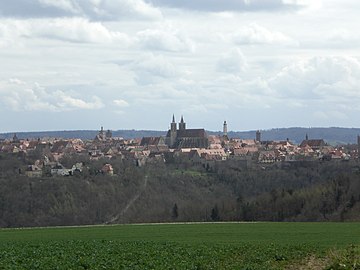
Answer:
(173, 132)
(182, 125)
(225, 130)
(258, 136)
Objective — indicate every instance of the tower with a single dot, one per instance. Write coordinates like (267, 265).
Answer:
(173, 132)
(258, 136)
(306, 137)
(358, 143)
(108, 134)
(225, 130)
(173, 124)
(182, 125)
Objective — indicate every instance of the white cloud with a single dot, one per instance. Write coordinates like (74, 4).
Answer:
(121, 103)
(66, 5)
(66, 29)
(150, 69)
(331, 78)
(237, 5)
(232, 62)
(10, 31)
(77, 30)
(310, 4)
(119, 9)
(342, 38)
(256, 34)
(21, 96)
(165, 39)
(95, 9)
(67, 102)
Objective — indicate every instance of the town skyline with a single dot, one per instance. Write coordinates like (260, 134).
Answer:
(76, 65)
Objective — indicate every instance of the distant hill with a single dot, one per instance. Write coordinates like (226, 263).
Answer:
(332, 135)
(82, 134)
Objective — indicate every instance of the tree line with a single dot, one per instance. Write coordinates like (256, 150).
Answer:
(180, 191)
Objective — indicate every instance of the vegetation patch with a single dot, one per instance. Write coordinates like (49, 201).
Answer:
(184, 246)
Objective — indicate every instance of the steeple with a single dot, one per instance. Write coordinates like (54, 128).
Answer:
(173, 124)
(182, 125)
(173, 132)
(225, 129)
(15, 139)
(258, 136)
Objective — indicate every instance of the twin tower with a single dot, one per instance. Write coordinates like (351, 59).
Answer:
(185, 138)
(182, 124)
(191, 138)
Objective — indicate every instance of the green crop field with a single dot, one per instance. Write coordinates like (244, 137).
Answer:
(184, 246)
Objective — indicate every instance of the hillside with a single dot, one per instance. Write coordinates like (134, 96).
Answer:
(333, 135)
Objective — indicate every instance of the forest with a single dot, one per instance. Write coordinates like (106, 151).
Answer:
(179, 191)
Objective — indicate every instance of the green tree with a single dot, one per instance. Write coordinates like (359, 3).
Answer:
(215, 213)
(175, 213)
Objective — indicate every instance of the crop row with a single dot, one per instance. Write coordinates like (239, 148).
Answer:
(106, 254)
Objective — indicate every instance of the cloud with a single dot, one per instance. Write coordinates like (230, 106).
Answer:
(319, 78)
(121, 103)
(232, 62)
(164, 39)
(120, 9)
(236, 5)
(20, 96)
(10, 31)
(78, 30)
(151, 69)
(30, 9)
(65, 5)
(67, 102)
(91, 9)
(256, 34)
(342, 38)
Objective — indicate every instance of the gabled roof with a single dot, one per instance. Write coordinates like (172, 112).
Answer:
(192, 142)
(59, 146)
(150, 141)
(191, 133)
(313, 143)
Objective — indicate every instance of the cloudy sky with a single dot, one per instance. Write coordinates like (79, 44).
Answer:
(131, 64)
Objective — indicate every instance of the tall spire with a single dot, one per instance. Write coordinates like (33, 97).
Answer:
(182, 125)
(258, 136)
(225, 129)
(173, 118)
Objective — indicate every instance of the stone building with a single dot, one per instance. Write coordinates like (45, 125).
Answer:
(185, 138)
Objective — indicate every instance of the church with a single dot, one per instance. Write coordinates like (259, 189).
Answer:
(185, 138)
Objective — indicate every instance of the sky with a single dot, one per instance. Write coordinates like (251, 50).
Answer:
(132, 64)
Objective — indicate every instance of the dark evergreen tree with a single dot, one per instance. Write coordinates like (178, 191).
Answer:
(175, 213)
(215, 213)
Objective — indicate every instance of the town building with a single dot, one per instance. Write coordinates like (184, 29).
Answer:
(178, 138)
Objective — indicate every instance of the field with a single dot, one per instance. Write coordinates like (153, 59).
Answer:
(184, 246)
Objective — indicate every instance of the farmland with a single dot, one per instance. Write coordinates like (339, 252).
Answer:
(182, 246)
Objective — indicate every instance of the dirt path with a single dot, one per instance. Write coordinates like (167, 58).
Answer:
(130, 203)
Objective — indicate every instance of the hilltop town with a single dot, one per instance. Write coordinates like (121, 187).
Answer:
(180, 144)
